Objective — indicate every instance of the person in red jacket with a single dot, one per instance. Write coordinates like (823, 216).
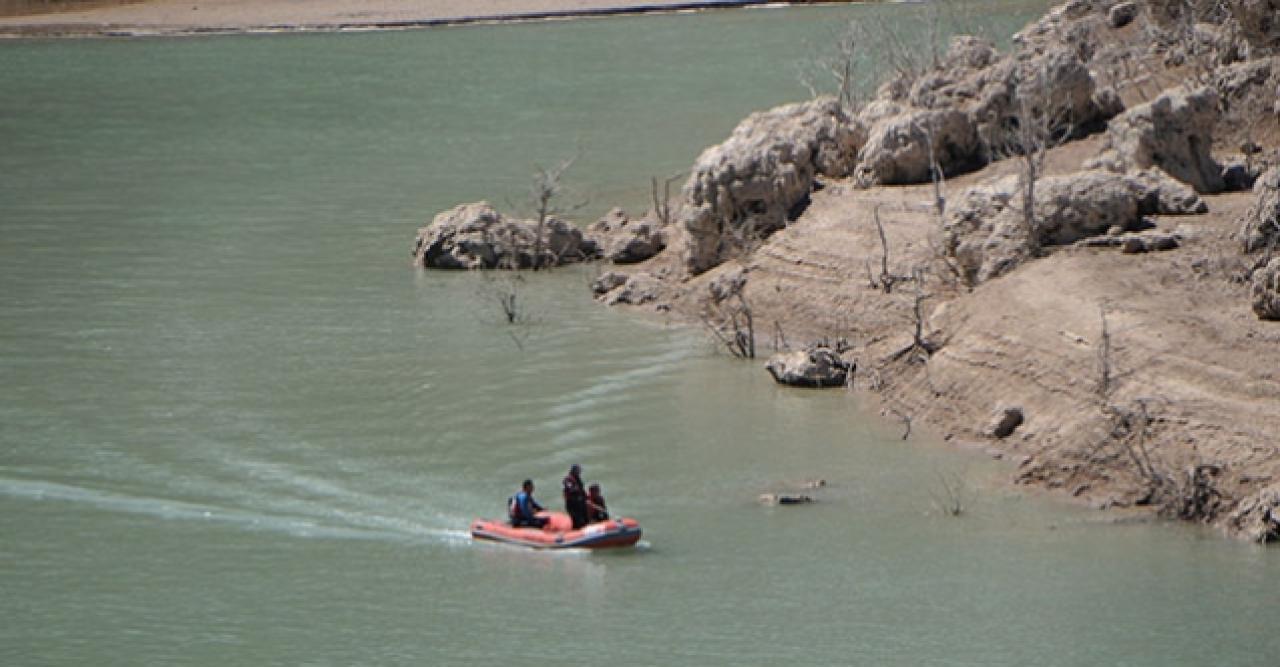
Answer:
(575, 496)
(596, 509)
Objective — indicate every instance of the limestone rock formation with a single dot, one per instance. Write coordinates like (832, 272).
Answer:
(476, 236)
(1173, 132)
(1266, 291)
(970, 104)
(623, 240)
(744, 189)
(1160, 194)
(640, 288)
(816, 366)
(1257, 517)
(898, 148)
(607, 282)
(988, 236)
(1260, 227)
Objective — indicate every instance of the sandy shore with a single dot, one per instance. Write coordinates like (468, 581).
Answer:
(175, 17)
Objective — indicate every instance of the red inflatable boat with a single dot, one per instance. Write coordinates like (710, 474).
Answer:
(559, 533)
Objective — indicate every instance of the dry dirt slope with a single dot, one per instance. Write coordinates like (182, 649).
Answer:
(1184, 341)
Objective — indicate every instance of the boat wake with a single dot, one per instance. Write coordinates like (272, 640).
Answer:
(336, 524)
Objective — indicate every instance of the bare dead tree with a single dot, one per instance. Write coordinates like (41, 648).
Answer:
(732, 322)
(1036, 124)
(662, 207)
(1190, 495)
(546, 193)
(951, 494)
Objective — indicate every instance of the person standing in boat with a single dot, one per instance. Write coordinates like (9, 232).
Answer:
(524, 509)
(575, 496)
(596, 509)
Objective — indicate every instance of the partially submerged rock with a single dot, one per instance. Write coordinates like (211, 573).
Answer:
(1257, 517)
(639, 288)
(816, 366)
(476, 236)
(623, 240)
(783, 499)
(1266, 291)
(747, 187)
(607, 282)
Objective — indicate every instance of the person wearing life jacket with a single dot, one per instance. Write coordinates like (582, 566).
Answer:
(596, 509)
(523, 509)
(575, 497)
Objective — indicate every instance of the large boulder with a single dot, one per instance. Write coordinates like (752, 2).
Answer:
(988, 235)
(1173, 132)
(1266, 291)
(1260, 227)
(476, 236)
(898, 148)
(817, 366)
(742, 190)
(1160, 194)
(623, 240)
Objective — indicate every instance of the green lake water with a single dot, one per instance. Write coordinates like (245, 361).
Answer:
(236, 427)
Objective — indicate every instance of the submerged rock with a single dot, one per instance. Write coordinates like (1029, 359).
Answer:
(817, 366)
(476, 236)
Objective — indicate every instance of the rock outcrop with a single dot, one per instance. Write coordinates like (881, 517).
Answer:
(1266, 291)
(988, 235)
(902, 148)
(1260, 227)
(639, 288)
(1173, 132)
(607, 282)
(476, 236)
(744, 189)
(623, 240)
(816, 366)
(1257, 517)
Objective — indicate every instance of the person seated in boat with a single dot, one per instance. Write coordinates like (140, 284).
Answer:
(575, 496)
(523, 508)
(596, 509)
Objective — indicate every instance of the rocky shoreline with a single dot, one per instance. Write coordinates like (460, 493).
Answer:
(1081, 232)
